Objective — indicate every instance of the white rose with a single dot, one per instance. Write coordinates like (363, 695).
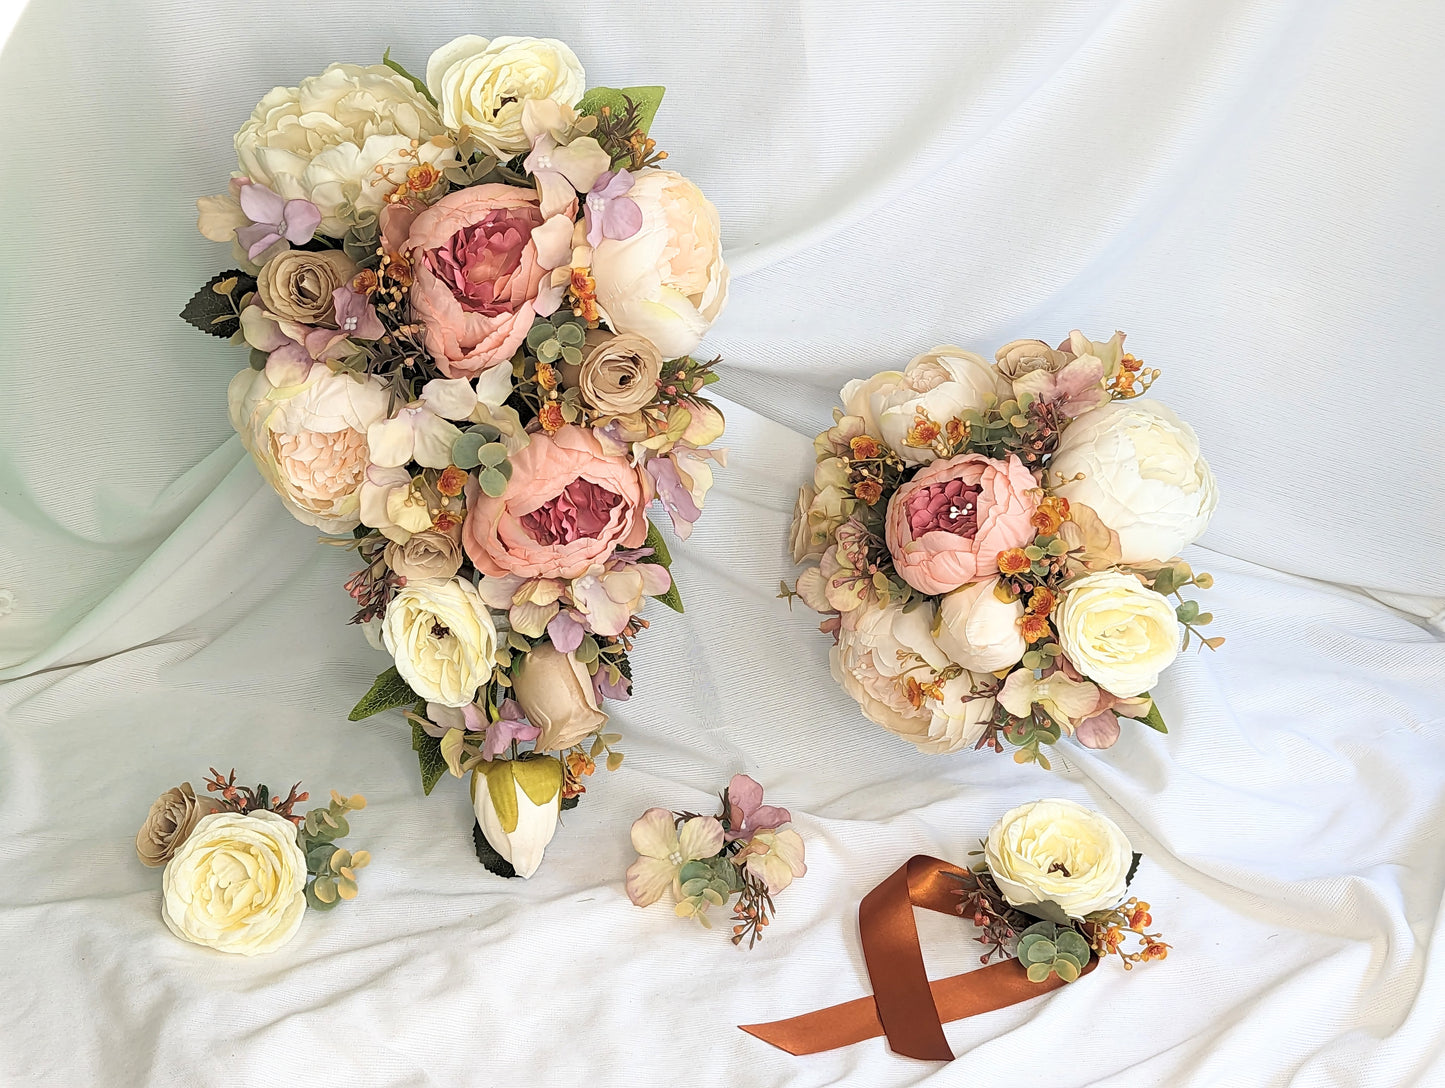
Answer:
(324, 139)
(668, 281)
(309, 440)
(518, 802)
(442, 638)
(879, 650)
(1059, 852)
(484, 85)
(1143, 475)
(941, 384)
(237, 884)
(979, 631)
(1117, 631)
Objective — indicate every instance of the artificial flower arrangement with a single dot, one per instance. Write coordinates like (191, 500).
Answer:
(241, 868)
(995, 545)
(746, 850)
(1051, 897)
(470, 302)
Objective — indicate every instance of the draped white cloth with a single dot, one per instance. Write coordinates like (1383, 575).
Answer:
(1251, 188)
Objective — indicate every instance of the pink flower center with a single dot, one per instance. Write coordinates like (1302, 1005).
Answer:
(950, 507)
(582, 510)
(478, 262)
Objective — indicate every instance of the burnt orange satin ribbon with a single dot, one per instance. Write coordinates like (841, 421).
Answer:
(904, 1005)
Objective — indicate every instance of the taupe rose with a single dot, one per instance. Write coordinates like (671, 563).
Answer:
(172, 817)
(619, 373)
(298, 284)
(429, 554)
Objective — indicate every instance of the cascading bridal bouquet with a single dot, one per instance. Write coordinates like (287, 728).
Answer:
(995, 546)
(470, 302)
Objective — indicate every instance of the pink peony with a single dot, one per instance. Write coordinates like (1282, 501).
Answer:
(476, 268)
(566, 508)
(946, 526)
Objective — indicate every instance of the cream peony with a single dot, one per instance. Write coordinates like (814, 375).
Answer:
(442, 638)
(668, 281)
(237, 884)
(1117, 631)
(483, 85)
(342, 140)
(309, 439)
(1143, 475)
(940, 384)
(1059, 852)
(879, 650)
(979, 631)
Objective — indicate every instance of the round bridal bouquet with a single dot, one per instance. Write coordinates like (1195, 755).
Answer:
(470, 302)
(995, 545)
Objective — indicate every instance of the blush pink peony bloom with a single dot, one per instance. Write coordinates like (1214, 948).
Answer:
(478, 258)
(566, 508)
(946, 526)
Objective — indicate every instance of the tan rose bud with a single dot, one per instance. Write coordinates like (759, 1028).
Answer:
(619, 373)
(555, 691)
(1020, 357)
(298, 283)
(173, 816)
(428, 554)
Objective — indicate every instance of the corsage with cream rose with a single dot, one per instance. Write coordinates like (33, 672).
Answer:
(470, 302)
(995, 545)
(746, 850)
(242, 867)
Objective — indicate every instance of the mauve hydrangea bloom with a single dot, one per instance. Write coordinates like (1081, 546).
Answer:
(946, 526)
(747, 814)
(611, 213)
(273, 219)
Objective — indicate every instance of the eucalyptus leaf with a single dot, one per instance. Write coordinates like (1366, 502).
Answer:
(466, 450)
(491, 455)
(492, 482)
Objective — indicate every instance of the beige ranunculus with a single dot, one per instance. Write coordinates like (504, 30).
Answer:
(1059, 852)
(442, 638)
(619, 373)
(297, 284)
(1020, 357)
(1117, 631)
(555, 691)
(429, 554)
(172, 817)
(237, 884)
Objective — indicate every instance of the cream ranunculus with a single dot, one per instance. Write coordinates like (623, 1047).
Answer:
(555, 691)
(237, 884)
(1117, 631)
(879, 650)
(442, 638)
(668, 281)
(979, 631)
(517, 803)
(309, 440)
(1059, 852)
(941, 384)
(483, 85)
(1143, 475)
(335, 136)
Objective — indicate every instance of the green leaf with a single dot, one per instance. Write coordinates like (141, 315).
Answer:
(388, 692)
(1040, 972)
(429, 757)
(396, 67)
(492, 454)
(466, 449)
(569, 803)
(1154, 720)
(1187, 612)
(660, 555)
(1067, 968)
(647, 99)
(215, 311)
(1164, 581)
(571, 334)
(540, 332)
(492, 482)
(1049, 911)
(492, 861)
(1071, 944)
(1133, 868)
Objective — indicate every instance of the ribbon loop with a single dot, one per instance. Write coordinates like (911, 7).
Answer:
(904, 1005)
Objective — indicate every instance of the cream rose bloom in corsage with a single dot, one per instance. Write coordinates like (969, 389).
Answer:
(1059, 852)
(666, 282)
(483, 85)
(1117, 631)
(237, 884)
(1143, 475)
(940, 384)
(442, 638)
(309, 440)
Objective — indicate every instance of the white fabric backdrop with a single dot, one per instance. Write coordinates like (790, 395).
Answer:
(1250, 188)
